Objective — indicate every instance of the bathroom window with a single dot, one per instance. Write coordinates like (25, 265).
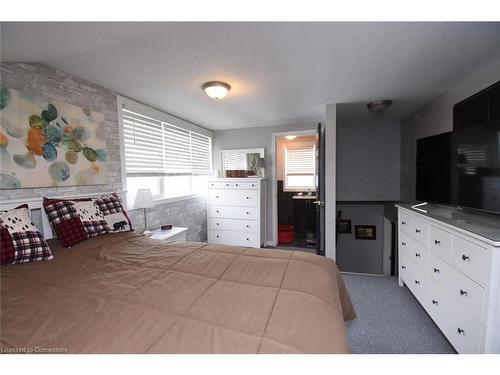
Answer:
(300, 167)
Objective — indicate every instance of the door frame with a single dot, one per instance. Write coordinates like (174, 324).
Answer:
(274, 181)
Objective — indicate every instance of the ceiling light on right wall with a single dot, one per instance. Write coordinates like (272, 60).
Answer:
(379, 106)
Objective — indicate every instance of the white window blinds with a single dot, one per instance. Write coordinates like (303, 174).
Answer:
(143, 139)
(300, 160)
(156, 148)
(235, 161)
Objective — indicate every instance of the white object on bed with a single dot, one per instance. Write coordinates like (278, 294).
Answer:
(37, 204)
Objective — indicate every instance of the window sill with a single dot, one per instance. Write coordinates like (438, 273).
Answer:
(160, 201)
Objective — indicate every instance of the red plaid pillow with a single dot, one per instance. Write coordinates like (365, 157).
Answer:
(75, 220)
(20, 240)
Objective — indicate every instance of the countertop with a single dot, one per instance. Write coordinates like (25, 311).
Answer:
(482, 224)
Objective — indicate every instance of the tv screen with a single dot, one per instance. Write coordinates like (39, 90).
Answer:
(476, 172)
(434, 169)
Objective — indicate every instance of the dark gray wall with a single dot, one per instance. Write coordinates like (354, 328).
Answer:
(437, 117)
(363, 256)
(368, 162)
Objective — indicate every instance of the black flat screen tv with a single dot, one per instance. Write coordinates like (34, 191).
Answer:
(434, 169)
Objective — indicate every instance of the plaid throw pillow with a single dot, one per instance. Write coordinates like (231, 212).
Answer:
(20, 240)
(114, 214)
(75, 220)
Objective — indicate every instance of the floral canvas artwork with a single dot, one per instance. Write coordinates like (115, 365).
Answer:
(48, 143)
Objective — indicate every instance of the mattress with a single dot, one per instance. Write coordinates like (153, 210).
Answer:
(124, 293)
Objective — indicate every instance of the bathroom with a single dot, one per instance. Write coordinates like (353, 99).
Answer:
(296, 191)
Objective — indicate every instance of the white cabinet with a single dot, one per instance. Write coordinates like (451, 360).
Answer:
(455, 275)
(237, 211)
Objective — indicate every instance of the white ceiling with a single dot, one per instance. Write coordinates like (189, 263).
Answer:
(280, 73)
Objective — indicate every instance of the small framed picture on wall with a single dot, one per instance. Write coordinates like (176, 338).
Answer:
(344, 226)
(365, 232)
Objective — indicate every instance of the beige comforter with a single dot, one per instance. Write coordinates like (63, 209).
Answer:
(123, 293)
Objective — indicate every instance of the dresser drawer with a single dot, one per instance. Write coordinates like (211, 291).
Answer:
(419, 254)
(465, 292)
(472, 259)
(248, 226)
(420, 231)
(440, 242)
(246, 198)
(228, 237)
(228, 212)
(246, 185)
(457, 326)
(416, 281)
(220, 185)
(404, 222)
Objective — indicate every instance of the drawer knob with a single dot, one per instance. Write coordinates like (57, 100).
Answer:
(436, 270)
(248, 197)
(217, 211)
(403, 267)
(248, 239)
(248, 213)
(417, 255)
(237, 185)
(437, 242)
(216, 196)
(253, 185)
(403, 223)
(417, 230)
(463, 292)
(460, 331)
(434, 302)
(417, 282)
(227, 184)
(217, 223)
(403, 243)
(217, 236)
(465, 257)
(248, 226)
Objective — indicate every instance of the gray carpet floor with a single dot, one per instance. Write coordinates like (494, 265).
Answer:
(390, 319)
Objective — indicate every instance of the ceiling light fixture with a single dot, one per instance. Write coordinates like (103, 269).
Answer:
(290, 137)
(216, 89)
(379, 106)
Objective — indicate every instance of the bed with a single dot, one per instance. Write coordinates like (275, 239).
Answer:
(124, 293)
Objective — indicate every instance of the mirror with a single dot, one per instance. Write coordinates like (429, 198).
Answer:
(245, 162)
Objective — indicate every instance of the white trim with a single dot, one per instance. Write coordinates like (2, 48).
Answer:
(330, 198)
(274, 190)
(123, 173)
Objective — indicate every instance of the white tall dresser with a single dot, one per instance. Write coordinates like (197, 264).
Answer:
(450, 261)
(237, 211)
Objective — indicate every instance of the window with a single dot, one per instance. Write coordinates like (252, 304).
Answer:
(300, 167)
(170, 160)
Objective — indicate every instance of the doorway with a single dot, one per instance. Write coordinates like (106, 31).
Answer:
(296, 205)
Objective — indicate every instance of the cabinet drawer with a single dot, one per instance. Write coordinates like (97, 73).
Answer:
(246, 185)
(419, 254)
(246, 198)
(248, 226)
(457, 326)
(404, 222)
(418, 283)
(220, 185)
(472, 259)
(440, 242)
(228, 237)
(227, 212)
(420, 231)
(465, 292)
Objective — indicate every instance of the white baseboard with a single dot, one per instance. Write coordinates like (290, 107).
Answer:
(271, 243)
